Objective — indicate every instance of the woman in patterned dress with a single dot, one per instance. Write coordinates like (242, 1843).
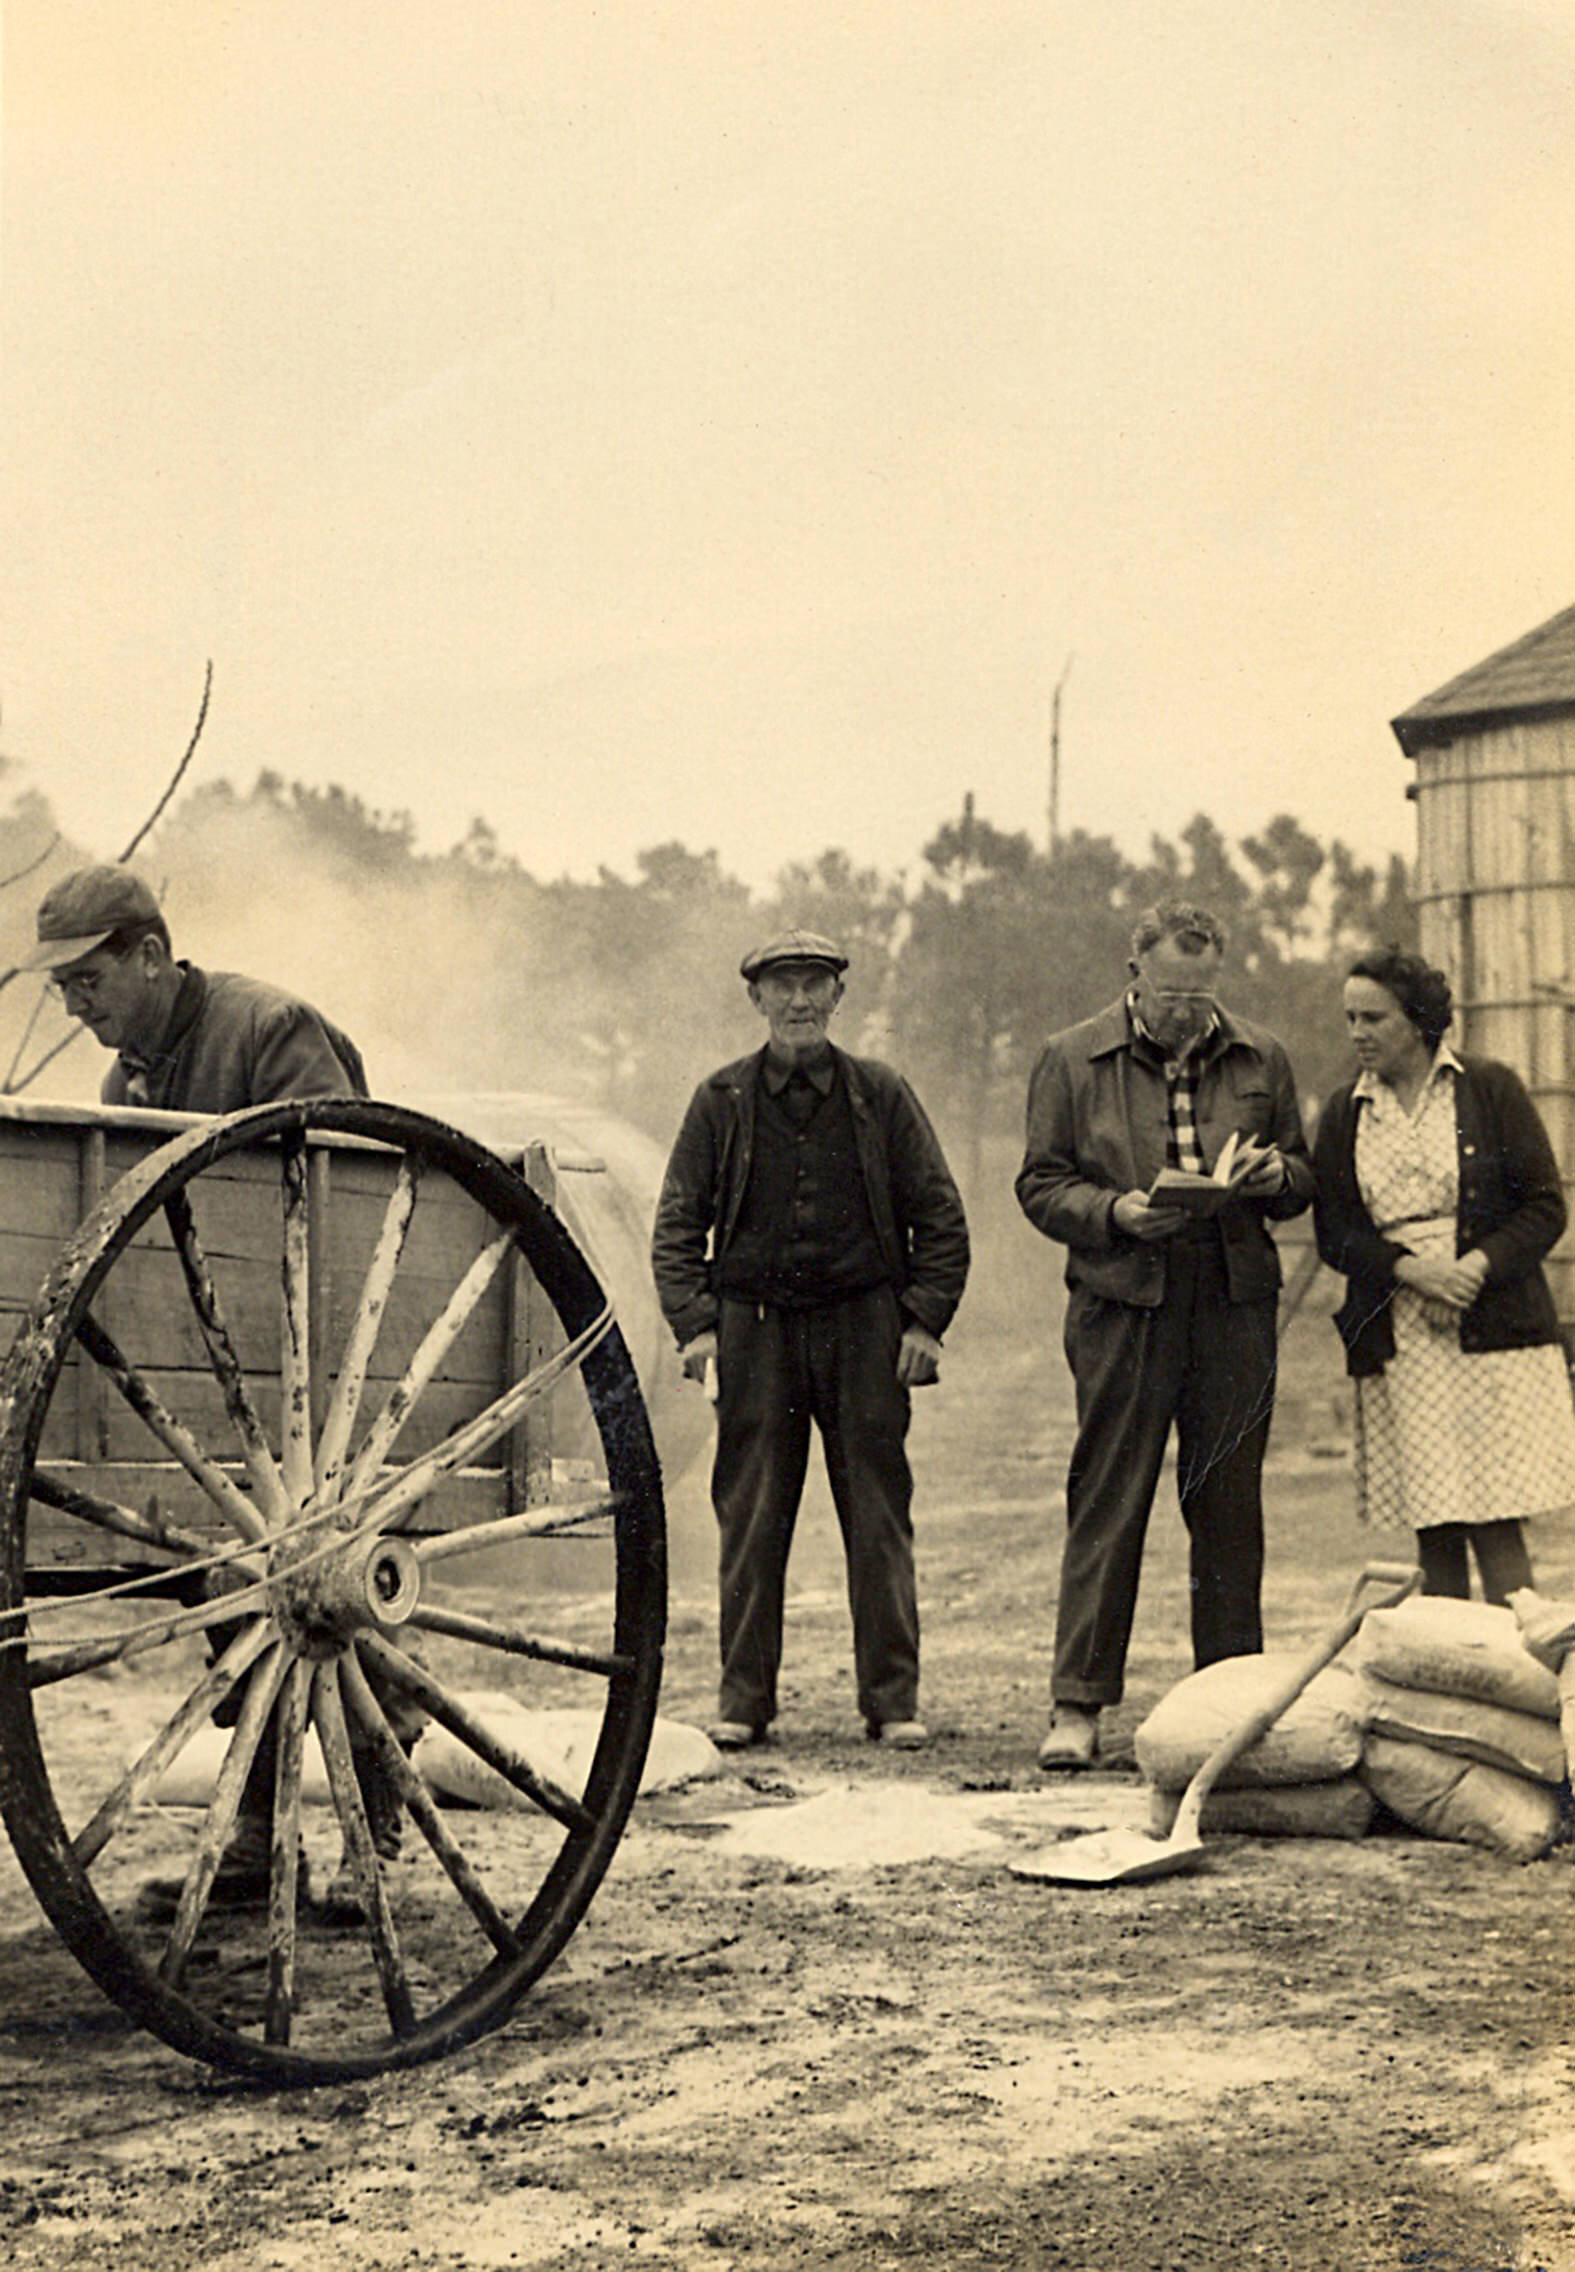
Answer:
(1438, 1196)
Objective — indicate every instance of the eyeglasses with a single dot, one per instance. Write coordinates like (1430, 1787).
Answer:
(84, 984)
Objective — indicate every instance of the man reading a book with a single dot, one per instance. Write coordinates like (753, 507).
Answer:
(1163, 1134)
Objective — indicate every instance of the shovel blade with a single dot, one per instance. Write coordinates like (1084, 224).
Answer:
(1110, 1857)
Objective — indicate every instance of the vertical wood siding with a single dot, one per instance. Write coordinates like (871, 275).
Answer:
(1495, 893)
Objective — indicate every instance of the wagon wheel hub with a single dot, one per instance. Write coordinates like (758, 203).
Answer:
(323, 1589)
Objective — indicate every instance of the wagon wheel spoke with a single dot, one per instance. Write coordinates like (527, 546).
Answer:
(416, 1795)
(435, 1346)
(350, 1385)
(266, 1479)
(261, 1691)
(149, 1528)
(66, 1659)
(514, 1641)
(328, 1716)
(141, 1778)
(563, 1518)
(460, 1721)
(397, 1494)
(285, 1855)
(178, 1440)
(295, 1323)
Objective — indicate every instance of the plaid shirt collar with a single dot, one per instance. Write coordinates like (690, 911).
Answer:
(1182, 1146)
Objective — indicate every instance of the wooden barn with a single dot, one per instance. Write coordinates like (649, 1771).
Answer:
(1495, 872)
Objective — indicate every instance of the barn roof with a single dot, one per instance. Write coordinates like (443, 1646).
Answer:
(1534, 677)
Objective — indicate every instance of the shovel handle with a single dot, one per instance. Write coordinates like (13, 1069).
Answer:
(1396, 1579)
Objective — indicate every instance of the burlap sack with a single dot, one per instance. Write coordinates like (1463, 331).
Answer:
(1522, 1743)
(558, 1745)
(1317, 1739)
(1449, 1797)
(1342, 1809)
(1456, 1648)
(1548, 1630)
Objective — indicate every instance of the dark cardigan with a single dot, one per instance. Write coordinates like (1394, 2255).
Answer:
(1511, 1207)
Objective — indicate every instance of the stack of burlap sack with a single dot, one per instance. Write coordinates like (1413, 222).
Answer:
(1446, 1712)
(1463, 1736)
(1297, 1781)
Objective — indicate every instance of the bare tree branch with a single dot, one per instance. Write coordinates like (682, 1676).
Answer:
(175, 777)
(15, 1088)
(12, 1085)
(28, 866)
(6, 1086)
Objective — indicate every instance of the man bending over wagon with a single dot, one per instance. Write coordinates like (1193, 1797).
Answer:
(190, 1040)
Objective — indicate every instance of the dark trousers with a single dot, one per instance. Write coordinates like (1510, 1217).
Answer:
(1207, 1365)
(1500, 1549)
(778, 1370)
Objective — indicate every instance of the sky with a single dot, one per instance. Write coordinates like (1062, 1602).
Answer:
(727, 420)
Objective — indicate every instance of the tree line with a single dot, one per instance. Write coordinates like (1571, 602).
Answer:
(462, 970)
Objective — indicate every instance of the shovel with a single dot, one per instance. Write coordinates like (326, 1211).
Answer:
(1127, 1857)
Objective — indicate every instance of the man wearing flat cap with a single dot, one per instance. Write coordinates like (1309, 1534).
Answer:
(186, 1040)
(190, 1040)
(809, 1251)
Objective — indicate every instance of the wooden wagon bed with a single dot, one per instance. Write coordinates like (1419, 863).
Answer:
(56, 1163)
(302, 1362)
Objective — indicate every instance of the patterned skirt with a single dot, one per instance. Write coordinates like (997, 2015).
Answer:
(1447, 1436)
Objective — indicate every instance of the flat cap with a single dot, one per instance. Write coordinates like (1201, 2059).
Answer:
(84, 909)
(793, 946)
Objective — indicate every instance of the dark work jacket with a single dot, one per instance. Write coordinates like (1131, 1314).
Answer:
(234, 1042)
(1098, 1125)
(916, 1207)
(1511, 1207)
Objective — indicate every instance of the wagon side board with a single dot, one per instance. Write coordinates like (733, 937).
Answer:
(56, 1163)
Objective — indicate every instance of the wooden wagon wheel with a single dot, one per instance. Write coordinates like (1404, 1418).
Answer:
(344, 1614)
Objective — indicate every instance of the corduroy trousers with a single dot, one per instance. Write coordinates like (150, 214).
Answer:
(779, 1371)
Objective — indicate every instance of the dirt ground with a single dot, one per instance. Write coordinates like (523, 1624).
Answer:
(863, 2043)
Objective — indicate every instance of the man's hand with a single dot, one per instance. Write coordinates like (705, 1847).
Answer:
(697, 1354)
(1136, 1214)
(918, 1358)
(1456, 1284)
(1259, 1170)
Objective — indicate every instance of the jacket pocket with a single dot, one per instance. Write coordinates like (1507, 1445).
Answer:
(1253, 1106)
(1135, 1276)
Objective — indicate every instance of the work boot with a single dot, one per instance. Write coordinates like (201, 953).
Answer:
(240, 1882)
(385, 1814)
(735, 1735)
(1073, 1739)
(899, 1735)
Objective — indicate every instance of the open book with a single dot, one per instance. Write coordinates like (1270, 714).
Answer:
(1199, 1194)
